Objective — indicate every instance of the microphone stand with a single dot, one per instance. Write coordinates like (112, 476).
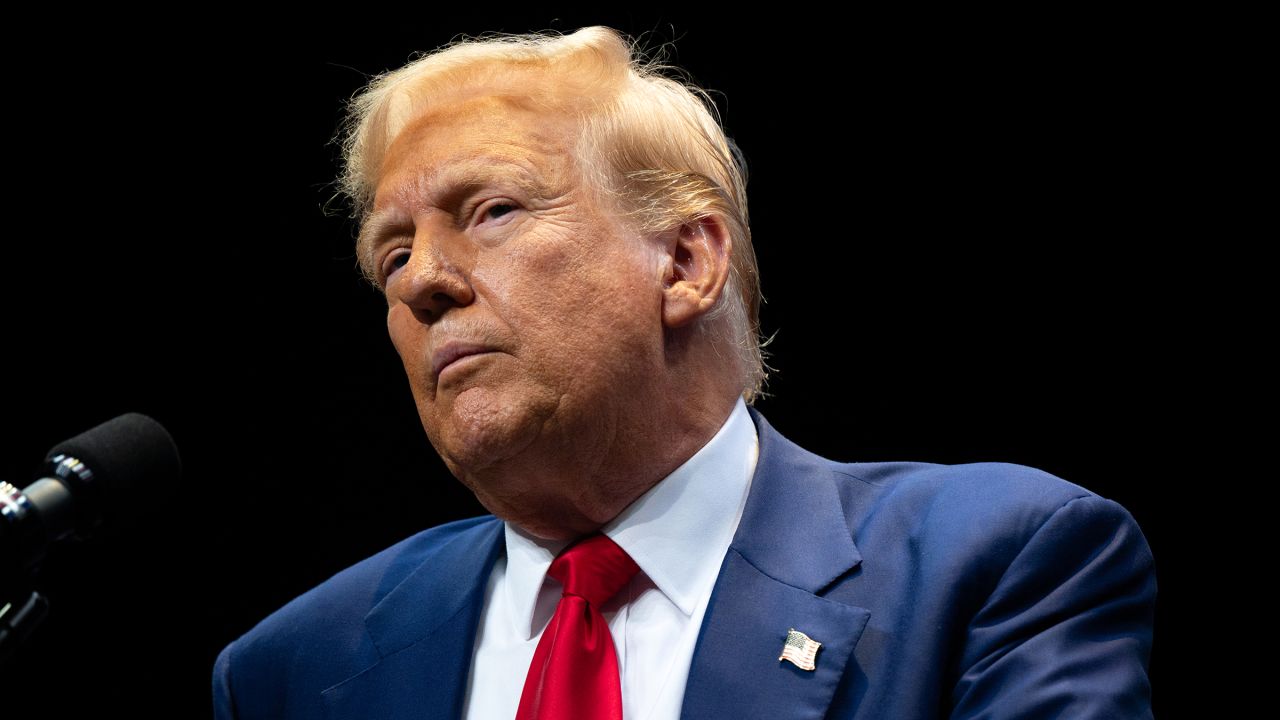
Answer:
(18, 619)
(22, 609)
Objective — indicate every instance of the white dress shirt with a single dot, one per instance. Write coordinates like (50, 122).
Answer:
(677, 532)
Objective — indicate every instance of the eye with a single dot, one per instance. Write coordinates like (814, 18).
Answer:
(394, 262)
(497, 211)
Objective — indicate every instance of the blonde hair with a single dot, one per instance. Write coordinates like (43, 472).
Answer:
(652, 142)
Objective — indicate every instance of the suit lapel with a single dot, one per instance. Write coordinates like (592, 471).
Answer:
(427, 621)
(772, 580)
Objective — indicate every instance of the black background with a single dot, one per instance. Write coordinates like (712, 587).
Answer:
(958, 219)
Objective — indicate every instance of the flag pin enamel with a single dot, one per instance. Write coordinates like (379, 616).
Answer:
(800, 650)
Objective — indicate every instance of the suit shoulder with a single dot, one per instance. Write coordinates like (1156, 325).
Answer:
(970, 489)
(964, 490)
(356, 589)
(931, 500)
(318, 632)
(974, 518)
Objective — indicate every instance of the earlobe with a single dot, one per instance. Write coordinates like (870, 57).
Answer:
(697, 270)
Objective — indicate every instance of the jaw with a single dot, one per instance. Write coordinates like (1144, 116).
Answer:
(553, 481)
(562, 455)
(485, 429)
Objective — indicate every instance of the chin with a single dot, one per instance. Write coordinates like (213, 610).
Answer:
(480, 429)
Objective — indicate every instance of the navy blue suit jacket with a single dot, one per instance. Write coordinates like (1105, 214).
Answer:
(986, 590)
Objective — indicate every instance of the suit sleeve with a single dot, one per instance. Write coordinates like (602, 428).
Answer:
(1067, 631)
(223, 703)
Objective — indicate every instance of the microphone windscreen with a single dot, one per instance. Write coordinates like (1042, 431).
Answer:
(130, 456)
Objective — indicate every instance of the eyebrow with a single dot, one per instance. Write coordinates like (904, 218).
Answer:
(444, 186)
(371, 232)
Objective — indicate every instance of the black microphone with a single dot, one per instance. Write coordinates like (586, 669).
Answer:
(105, 472)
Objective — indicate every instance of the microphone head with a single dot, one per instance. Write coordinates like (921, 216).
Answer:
(111, 466)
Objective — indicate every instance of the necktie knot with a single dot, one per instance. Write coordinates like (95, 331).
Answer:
(574, 672)
(594, 569)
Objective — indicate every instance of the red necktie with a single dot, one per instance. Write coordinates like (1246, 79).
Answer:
(574, 673)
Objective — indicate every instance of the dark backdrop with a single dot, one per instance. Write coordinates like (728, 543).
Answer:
(951, 216)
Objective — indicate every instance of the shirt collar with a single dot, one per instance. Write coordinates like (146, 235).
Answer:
(677, 532)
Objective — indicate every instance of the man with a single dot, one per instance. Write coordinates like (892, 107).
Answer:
(561, 236)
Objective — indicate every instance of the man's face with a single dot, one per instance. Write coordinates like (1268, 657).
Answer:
(526, 314)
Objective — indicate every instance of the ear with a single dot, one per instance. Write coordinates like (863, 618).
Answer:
(697, 267)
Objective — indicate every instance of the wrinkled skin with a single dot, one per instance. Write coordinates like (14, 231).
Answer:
(541, 336)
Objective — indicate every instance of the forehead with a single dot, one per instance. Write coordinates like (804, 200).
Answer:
(467, 140)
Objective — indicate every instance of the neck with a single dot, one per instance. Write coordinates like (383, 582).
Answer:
(577, 491)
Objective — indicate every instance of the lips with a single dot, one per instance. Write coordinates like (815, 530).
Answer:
(451, 352)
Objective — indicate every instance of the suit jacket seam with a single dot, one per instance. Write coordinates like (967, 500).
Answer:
(385, 656)
(783, 582)
(1027, 543)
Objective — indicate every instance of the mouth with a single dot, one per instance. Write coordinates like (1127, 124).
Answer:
(452, 352)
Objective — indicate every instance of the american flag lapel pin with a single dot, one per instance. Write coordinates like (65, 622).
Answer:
(800, 650)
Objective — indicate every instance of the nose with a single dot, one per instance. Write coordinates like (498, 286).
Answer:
(435, 278)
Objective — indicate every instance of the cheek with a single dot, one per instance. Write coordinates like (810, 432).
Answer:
(533, 290)
(598, 326)
(396, 327)
(523, 270)
(579, 304)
